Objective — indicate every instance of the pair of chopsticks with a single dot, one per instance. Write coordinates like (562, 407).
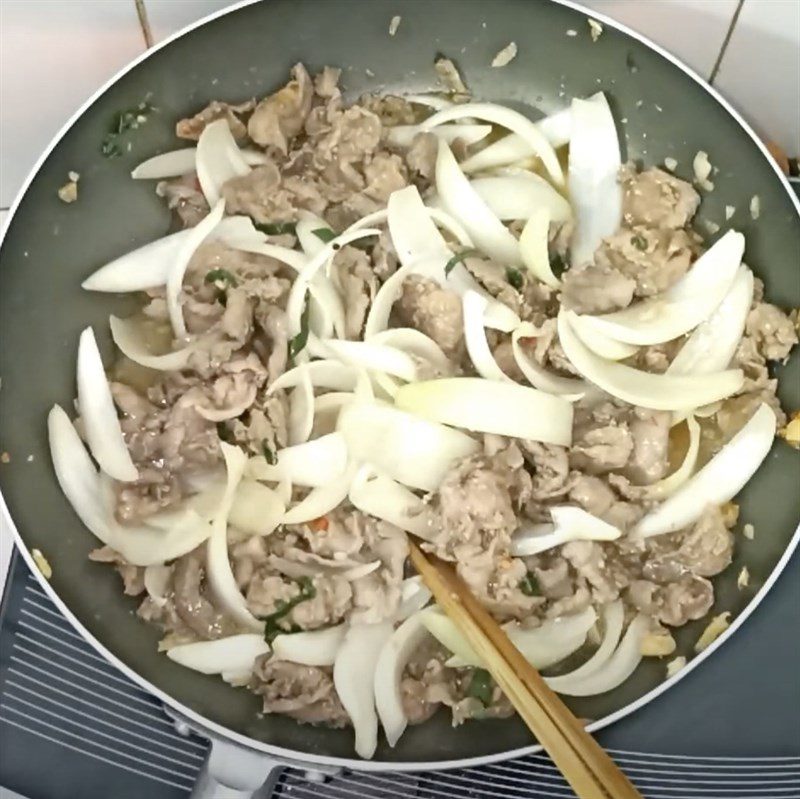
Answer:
(584, 764)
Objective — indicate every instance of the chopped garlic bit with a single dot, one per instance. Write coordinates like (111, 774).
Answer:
(711, 227)
(715, 628)
(675, 665)
(394, 25)
(730, 513)
(572, 33)
(749, 532)
(450, 76)
(755, 206)
(743, 580)
(5, 457)
(506, 55)
(595, 29)
(68, 193)
(671, 164)
(791, 433)
(730, 210)
(42, 564)
(73, 176)
(702, 170)
(657, 644)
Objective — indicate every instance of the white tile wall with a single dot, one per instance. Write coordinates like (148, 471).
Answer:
(760, 71)
(55, 53)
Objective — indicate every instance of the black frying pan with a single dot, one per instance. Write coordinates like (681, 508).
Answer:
(49, 247)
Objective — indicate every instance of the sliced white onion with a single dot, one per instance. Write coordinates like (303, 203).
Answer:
(683, 306)
(570, 388)
(416, 343)
(414, 235)
(354, 680)
(301, 409)
(328, 374)
(594, 164)
(463, 202)
(392, 660)
(310, 648)
(237, 654)
(533, 247)
(614, 671)
(713, 343)
(671, 483)
(569, 524)
(218, 566)
(370, 355)
(321, 500)
(384, 498)
(488, 406)
(128, 337)
(196, 237)
(474, 306)
(507, 118)
(658, 391)
(99, 416)
(256, 509)
(218, 159)
(510, 149)
(416, 452)
(388, 294)
(307, 223)
(175, 163)
(156, 583)
(521, 194)
(148, 267)
(403, 135)
(718, 481)
(76, 473)
(435, 101)
(613, 621)
(314, 463)
(414, 595)
(542, 646)
(599, 343)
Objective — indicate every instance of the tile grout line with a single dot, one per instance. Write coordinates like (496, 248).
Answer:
(144, 23)
(725, 42)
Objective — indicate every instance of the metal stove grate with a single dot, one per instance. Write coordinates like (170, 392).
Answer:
(71, 725)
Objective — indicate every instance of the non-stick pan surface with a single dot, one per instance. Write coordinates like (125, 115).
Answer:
(49, 247)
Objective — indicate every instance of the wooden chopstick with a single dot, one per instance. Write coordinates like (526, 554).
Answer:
(583, 762)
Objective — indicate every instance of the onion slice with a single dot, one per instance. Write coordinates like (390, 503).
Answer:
(310, 648)
(235, 654)
(320, 500)
(414, 451)
(354, 680)
(570, 523)
(128, 338)
(614, 671)
(599, 343)
(613, 621)
(658, 391)
(533, 247)
(507, 118)
(414, 595)
(671, 483)
(256, 509)
(416, 343)
(218, 566)
(718, 481)
(98, 414)
(474, 306)
(175, 163)
(682, 307)
(156, 582)
(570, 388)
(463, 202)
(519, 195)
(197, 236)
(371, 355)
(379, 496)
(313, 463)
(488, 406)
(403, 135)
(713, 343)
(328, 374)
(301, 409)
(392, 660)
(594, 164)
(218, 159)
